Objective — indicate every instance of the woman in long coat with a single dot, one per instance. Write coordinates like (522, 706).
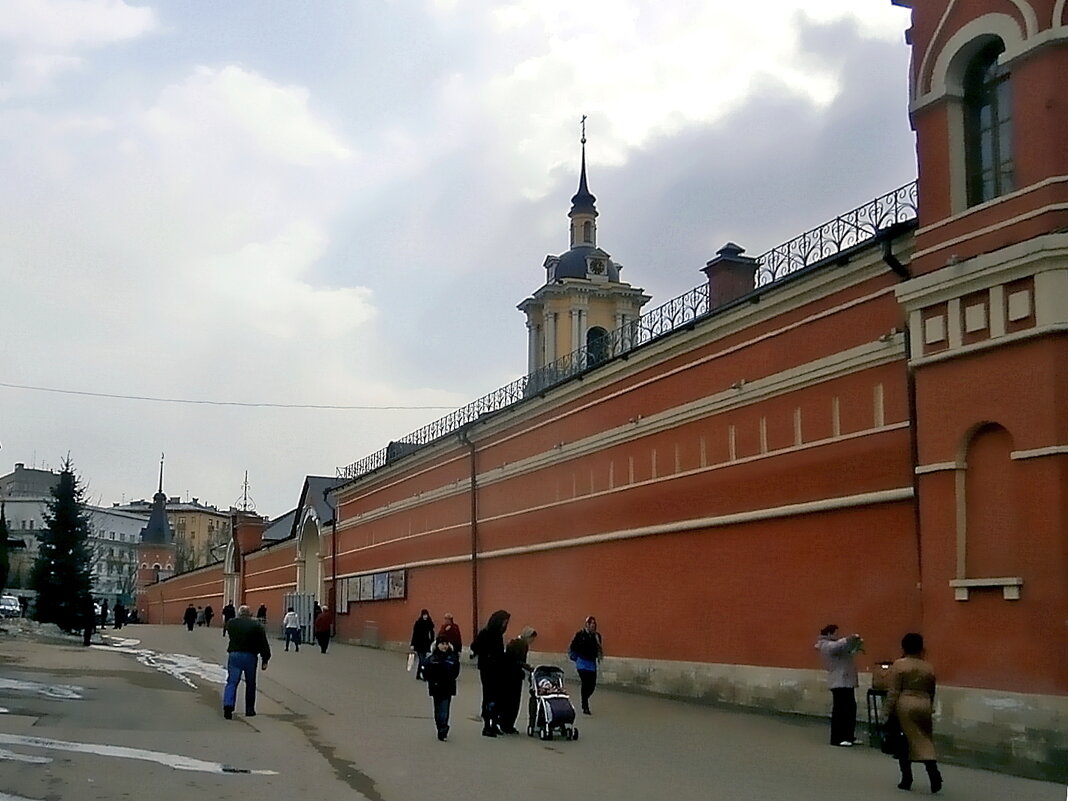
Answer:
(488, 646)
(911, 699)
(422, 639)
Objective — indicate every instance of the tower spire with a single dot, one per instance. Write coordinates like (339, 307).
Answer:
(583, 201)
(161, 472)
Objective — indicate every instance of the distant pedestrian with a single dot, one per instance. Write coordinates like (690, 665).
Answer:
(291, 627)
(261, 615)
(488, 646)
(441, 669)
(190, 617)
(200, 616)
(228, 613)
(586, 651)
(422, 640)
(451, 632)
(89, 618)
(248, 643)
(910, 698)
(104, 613)
(515, 672)
(209, 613)
(837, 653)
(321, 628)
(120, 614)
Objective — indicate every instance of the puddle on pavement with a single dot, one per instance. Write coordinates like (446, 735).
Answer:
(61, 692)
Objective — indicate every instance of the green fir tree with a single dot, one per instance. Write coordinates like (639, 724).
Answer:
(61, 573)
(5, 564)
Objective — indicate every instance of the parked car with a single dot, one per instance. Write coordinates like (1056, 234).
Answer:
(10, 606)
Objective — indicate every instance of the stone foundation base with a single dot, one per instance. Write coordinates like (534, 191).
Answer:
(1019, 733)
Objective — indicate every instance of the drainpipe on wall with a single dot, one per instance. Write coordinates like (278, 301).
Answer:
(333, 567)
(474, 528)
(903, 273)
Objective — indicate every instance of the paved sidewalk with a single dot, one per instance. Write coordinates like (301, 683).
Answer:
(352, 724)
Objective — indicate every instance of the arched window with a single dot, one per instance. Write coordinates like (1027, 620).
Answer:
(988, 125)
(587, 231)
(596, 345)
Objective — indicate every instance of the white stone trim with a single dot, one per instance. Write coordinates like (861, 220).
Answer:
(1051, 296)
(986, 344)
(1037, 453)
(790, 296)
(1051, 180)
(1010, 587)
(1018, 305)
(855, 360)
(975, 318)
(1021, 260)
(948, 67)
(939, 467)
(1051, 207)
(997, 311)
(934, 330)
(674, 527)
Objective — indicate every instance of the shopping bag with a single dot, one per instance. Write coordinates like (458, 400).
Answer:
(892, 738)
(411, 662)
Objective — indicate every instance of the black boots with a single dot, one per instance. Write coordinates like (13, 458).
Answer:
(228, 712)
(933, 775)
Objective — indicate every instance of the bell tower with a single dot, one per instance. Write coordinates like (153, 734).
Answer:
(156, 552)
(583, 304)
(987, 312)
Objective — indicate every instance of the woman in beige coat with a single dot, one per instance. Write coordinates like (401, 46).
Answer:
(911, 699)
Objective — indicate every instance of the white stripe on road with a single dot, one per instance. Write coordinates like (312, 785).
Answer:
(5, 797)
(16, 757)
(64, 692)
(176, 761)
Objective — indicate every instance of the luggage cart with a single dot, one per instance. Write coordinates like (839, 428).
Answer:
(876, 704)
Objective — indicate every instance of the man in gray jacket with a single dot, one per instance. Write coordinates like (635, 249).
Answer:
(837, 653)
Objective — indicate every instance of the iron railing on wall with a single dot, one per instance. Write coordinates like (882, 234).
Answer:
(826, 241)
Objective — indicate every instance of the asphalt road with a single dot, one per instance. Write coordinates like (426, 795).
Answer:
(135, 720)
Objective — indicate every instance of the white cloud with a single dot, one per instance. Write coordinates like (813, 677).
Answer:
(639, 72)
(45, 38)
(233, 104)
(65, 24)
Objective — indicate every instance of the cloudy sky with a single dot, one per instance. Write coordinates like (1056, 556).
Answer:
(341, 203)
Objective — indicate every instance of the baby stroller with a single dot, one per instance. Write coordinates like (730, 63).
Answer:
(550, 708)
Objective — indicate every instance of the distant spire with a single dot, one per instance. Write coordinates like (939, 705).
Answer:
(161, 472)
(583, 201)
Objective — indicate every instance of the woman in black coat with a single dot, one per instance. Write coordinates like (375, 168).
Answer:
(488, 646)
(422, 640)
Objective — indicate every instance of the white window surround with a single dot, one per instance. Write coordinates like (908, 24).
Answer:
(947, 73)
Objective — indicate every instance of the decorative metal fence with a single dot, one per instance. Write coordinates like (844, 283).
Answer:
(846, 231)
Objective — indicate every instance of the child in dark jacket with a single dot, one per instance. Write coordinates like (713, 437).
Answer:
(440, 670)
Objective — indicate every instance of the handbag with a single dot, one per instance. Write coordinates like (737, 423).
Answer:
(892, 739)
(411, 662)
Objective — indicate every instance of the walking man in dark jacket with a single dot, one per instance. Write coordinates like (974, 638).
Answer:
(190, 617)
(586, 651)
(248, 642)
(228, 613)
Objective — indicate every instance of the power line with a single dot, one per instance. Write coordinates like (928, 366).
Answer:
(256, 404)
